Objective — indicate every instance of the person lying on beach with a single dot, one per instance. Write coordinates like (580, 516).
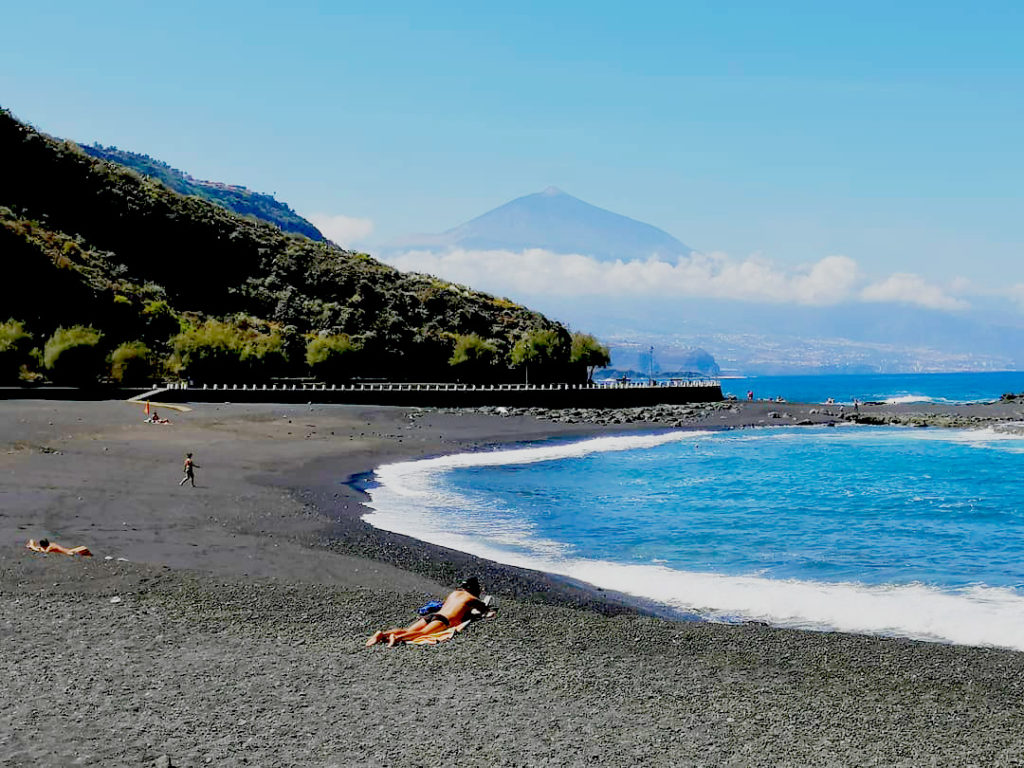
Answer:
(48, 547)
(460, 607)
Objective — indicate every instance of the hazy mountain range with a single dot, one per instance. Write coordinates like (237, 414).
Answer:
(747, 336)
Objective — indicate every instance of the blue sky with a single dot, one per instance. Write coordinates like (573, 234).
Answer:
(886, 133)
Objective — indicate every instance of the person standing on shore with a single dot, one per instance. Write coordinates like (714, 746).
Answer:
(190, 475)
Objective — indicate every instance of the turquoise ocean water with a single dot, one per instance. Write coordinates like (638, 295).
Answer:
(890, 387)
(903, 532)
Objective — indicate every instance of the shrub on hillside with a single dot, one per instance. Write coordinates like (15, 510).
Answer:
(474, 358)
(219, 351)
(209, 352)
(15, 342)
(159, 321)
(132, 364)
(74, 356)
(264, 354)
(332, 358)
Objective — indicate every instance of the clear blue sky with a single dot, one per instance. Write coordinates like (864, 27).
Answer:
(888, 132)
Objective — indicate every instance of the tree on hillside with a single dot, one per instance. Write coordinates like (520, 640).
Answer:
(159, 321)
(15, 342)
(132, 363)
(332, 358)
(428, 356)
(242, 350)
(74, 356)
(210, 352)
(541, 349)
(474, 357)
(589, 352)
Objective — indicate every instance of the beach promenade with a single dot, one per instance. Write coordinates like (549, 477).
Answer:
(224, 624)
(406, 394)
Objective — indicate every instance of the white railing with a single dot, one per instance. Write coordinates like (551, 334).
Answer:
(455, 387)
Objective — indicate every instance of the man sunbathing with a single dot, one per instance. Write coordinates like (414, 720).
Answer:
(48, 547)
(461, 605)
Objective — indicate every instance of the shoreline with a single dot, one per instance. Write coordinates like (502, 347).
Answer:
(605, 590)
(349, 534)
(243, 603)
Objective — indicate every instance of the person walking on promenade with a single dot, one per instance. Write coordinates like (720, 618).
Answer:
(190, 475)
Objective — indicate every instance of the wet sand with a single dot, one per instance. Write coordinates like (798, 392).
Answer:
(243, 603)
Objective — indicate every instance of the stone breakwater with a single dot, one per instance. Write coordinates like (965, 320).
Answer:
(669, 415)
(723, 414)
(729, 414)
(946, 420)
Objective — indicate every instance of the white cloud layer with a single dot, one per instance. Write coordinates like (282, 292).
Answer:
(539, 272)
(912, 289)
(831, 280)
(343, 230)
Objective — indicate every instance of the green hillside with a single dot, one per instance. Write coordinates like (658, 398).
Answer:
(234, 198)
(145, 282)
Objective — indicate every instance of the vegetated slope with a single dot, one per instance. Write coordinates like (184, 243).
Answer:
(88, 241)
(558, 222)
(234, 198)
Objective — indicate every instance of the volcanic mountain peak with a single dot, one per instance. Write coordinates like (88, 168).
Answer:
(556, 221)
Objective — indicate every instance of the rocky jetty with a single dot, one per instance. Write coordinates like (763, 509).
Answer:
(1006, 415)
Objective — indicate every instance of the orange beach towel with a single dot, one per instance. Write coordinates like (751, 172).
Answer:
(438, 636)
(51, 547)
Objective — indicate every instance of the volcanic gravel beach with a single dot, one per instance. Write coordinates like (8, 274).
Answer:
(224, 624)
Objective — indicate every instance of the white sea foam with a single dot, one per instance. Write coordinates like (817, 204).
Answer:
(410, 497)
(533, 454)
(985, 437)
(904, 399)
(413, 500)
(973, 616)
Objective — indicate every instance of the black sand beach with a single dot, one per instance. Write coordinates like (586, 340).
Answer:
(232, 631)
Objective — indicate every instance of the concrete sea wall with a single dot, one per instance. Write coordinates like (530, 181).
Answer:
(617, 395)
(457, 395)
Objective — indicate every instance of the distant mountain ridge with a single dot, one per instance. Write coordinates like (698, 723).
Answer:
(555, 221)
(235, 198)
